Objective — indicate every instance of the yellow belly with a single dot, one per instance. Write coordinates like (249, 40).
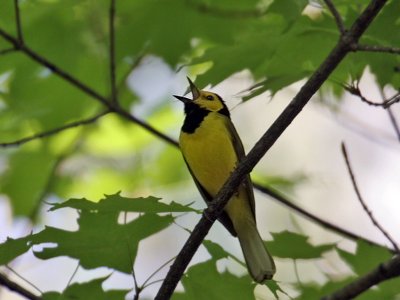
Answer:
(209, 152)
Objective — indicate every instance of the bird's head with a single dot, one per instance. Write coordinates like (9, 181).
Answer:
(203, 99)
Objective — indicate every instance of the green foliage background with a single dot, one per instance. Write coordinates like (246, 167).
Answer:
(216, 39)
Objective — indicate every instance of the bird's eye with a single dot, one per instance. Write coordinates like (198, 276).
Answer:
(209, 97)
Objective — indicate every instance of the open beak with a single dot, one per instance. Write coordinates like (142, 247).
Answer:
(193, 89)
(183, 99)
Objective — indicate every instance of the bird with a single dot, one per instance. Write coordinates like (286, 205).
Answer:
(211, 148)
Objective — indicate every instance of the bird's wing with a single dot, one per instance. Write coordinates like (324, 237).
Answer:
(223, 217)
(238, 146)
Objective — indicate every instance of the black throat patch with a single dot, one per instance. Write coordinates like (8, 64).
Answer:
(194, 116)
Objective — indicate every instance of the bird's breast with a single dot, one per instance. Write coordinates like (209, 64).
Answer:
(209, 152)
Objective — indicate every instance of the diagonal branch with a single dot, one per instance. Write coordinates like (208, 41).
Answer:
(336, 15)
(54, 131)
(112, 52)
(363, 204)
(12, 286)
(384, 271)
(264, 144)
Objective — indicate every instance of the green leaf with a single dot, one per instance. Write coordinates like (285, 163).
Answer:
(13, 248)
(27, 178)
(215, 250)
(87, 290)
(203, 281)
(101, 241)
(282, 246)
(117, 203)
(316, 291)
(366, 258)
(117, 249)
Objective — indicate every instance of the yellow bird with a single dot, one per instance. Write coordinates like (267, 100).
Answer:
(212, 148)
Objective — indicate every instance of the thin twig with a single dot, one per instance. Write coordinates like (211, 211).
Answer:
(394, 122)
(8, 50)
(156, 271)
(23, 278)
(308, 215)
(312, 85)
(12, 286)
(354, 89)
(53, 131)
(376, 48)
(384, 271)
(392, 118)
(18, 23)
(364, 205)
(73, 275)
(336, 15)
(112, 52)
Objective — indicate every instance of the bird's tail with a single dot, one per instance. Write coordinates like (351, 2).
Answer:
(259, 262)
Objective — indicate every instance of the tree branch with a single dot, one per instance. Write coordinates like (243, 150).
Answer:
(264, 144)
(12, 286)
(385, 271)
(54, 131)
(336, 15)
(112, 51)
(363, 204)
(376, 48)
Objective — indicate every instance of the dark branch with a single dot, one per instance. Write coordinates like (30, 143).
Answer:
(264, 144)
(18, 22)
(112, 52)
(336, 15)
(385, 271)
(375, 48)
(363, 204)
(53, 131)
(12, 286)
